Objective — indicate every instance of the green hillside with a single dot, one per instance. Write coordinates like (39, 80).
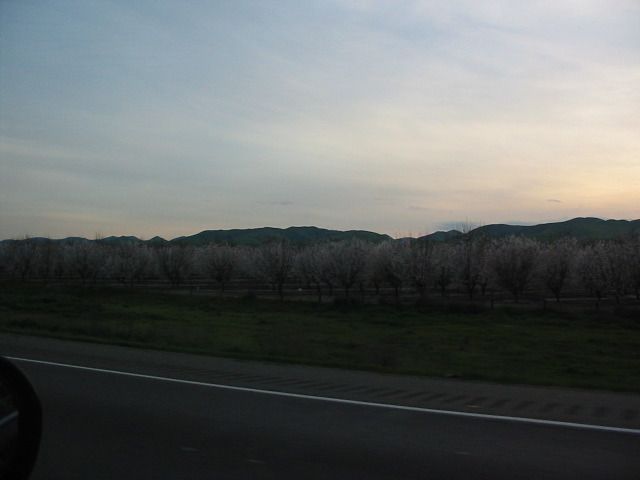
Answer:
(586, 228)
(442, 236)
(258, 236)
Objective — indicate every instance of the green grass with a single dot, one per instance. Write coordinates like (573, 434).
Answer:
(578, 349)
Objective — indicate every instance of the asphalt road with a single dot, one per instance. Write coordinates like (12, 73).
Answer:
(105, 425)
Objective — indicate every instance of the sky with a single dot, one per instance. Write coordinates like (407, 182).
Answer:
(402, 117)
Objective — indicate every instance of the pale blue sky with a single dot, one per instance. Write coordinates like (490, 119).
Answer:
(168, 118)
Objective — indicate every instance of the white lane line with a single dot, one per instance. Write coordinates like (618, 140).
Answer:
(535, 421)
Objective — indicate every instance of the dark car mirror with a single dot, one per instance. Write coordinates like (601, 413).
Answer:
(20, 423)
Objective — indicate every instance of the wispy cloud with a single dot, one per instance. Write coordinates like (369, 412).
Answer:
(281, 203)
(157, 117)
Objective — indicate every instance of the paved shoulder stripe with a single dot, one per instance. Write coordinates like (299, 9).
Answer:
(484, 416)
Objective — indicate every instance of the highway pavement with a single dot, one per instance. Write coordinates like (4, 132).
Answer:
(112, 412)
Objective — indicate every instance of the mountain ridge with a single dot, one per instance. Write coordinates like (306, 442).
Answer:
(586, 228)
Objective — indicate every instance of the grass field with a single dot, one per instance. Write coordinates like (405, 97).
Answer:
(577, 349)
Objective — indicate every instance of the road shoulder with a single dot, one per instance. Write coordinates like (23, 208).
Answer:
(611, 409)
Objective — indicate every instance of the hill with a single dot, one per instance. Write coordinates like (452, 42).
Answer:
(244, 237)
(258, 236)
(584, 228)
(442, 236)
(122, 240)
